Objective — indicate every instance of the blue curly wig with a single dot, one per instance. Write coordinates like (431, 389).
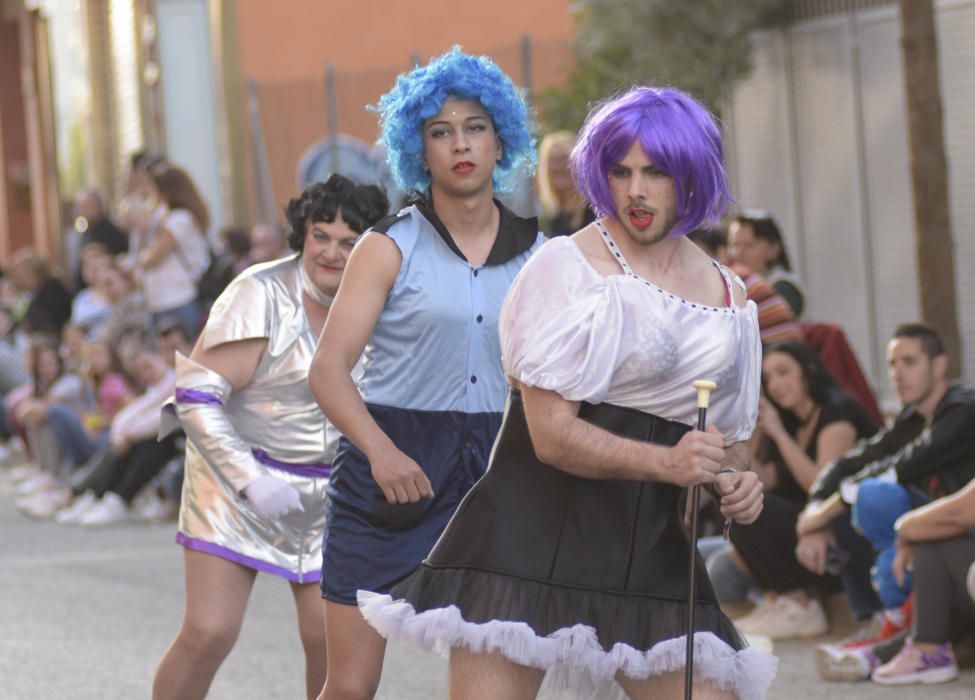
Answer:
(419, 95)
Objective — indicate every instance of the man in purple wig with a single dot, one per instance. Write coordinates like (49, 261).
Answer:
(568, 562)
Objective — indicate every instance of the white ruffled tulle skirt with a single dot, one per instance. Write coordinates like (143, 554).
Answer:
(575, 660)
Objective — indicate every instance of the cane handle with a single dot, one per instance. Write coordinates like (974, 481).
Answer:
(704, 388)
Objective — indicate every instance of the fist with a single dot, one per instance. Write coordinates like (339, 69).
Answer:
(695, 459)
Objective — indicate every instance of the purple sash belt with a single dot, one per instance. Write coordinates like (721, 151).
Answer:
(317, 470)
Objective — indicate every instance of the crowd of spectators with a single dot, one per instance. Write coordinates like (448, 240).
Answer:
(850, 505)
(87, 353)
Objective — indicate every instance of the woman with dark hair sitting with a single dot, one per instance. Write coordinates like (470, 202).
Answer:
(259, 450)
(807, 421)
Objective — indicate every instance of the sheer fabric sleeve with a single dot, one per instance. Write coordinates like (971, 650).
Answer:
(561, 325)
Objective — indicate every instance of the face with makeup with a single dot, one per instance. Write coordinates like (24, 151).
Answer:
(644, 197)
(461, 148)
(326, 250)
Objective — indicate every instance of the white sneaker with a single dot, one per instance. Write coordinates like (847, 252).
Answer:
(13, 476)
(38, 481)
(760, 642)
(69, 514)
(22, 471)
(789, 619)
(45, 503)
(110, 509)
(745, 623)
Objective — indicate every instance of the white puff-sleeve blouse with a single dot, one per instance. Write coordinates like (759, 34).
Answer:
(622, 340)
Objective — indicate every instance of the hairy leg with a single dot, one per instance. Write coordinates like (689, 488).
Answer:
(217, 591)
(493, 676)
(355, 654)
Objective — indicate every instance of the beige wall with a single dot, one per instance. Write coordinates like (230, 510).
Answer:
(293, 39)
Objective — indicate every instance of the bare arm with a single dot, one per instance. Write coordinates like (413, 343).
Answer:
(163, 244)
(834, 440)
(739, 456)
(565, 441)
(941, 519)
(369, 276)
(236, 362)
(818, 516)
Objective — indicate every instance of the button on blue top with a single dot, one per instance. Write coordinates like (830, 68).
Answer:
(436, 346)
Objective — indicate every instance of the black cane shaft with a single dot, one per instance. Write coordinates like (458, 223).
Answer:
(692, 574)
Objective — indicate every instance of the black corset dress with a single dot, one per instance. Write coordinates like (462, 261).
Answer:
(581, 576)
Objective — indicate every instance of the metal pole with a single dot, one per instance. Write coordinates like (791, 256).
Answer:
(332, 108)
(266, 208)
(527, 77)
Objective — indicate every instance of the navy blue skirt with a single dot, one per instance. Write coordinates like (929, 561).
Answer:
(372, 545)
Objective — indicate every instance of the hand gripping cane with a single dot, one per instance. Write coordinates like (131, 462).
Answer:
(704, 388)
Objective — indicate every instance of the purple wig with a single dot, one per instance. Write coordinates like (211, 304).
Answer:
(678, 135)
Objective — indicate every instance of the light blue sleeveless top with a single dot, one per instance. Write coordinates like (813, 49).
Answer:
(435, 346)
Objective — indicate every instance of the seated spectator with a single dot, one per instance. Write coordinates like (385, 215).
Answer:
(268, 242)
(13, 372)
(112, 391)
(80, 436)
(171, 339)
(94, 224)
(564, 209)
(757, 244)
(73, 348)
(225, 264)
(51, 390)
(776, 321)
(133, 456)
(937, 543)
(807, 421)
(129, 311)
(49, 307)
(236, 244)
(928, 452)
(91, 306)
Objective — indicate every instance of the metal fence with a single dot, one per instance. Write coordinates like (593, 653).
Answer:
(288, 118)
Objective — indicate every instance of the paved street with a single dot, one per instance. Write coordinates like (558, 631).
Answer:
(86, 615)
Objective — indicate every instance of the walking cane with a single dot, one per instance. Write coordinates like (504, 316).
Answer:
(704, 388)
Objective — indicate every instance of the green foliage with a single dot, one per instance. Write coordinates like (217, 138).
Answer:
(72, 170)
(700, 46)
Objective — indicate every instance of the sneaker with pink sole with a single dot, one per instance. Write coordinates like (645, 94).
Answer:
(912, 665)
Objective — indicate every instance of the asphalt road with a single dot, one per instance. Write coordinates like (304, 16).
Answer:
(87, 614)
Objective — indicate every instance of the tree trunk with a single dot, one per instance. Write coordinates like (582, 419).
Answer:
(929, 175)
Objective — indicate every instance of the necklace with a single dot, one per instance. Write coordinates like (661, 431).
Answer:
(316, 294)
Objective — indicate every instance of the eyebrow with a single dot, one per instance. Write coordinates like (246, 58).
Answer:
(444, 121)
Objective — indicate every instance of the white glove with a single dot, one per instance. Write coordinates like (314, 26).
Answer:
(272, 497)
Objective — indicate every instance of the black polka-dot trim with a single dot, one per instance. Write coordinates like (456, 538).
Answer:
(611, 244)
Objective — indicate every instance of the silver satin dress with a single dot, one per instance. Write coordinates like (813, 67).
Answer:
(273, 426)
